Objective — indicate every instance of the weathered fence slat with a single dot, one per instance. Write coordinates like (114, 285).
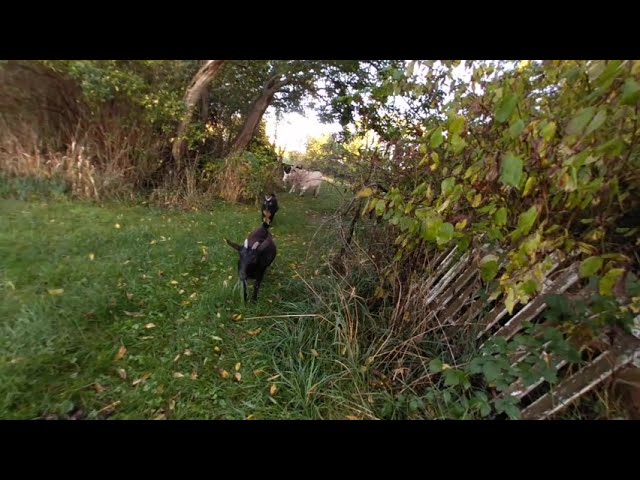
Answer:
(603, 366)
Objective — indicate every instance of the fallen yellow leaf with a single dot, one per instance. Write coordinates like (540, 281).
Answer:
(122, 373)
(56, 291)
(224, 374)
(162, 416)
(172, 405)
(134, 314)
(187, 352)
(314, 352)
(251, 417)
(117, 225)
(273, 390)
(237, 317)
(92, 256)
(238, 376)
(121, 353)
(270, 379)
(150, 325)
(141, 380)
(99, 388)
(216, 349)
(194, 375)
(173, 282)
(176, 358)
(178, 375)
(237, 367)
(255, 332)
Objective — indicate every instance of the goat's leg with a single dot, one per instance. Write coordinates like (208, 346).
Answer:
(244, 291)
(256, 288)
(302, 190)
(317, 191)
(293, 187)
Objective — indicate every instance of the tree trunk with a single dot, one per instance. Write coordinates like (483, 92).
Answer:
(204, 107)
(273, 85)
(194, 93)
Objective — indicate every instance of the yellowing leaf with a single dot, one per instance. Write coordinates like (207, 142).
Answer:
(117, 225)
(238, 376)
(178, 375)
(364, 193)
(188, 353)
(92, 256)
(121, 353)
(216, 349)
(273, 390)
(173, 282)
(461, 225)
(224, 374)
(608, 282)
(150, 325)
(141, 379)
(237, 317)
(56, 291)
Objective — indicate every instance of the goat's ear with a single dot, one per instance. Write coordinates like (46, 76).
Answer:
(233, 245)
(264, 244)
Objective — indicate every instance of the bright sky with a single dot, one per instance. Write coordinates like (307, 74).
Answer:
(293, 130)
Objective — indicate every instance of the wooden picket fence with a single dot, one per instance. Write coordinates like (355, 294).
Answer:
(455, 297)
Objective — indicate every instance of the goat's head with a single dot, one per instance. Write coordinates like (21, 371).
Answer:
(248, 256)
(266, 216)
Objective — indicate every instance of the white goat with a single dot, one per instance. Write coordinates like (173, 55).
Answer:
(303, 179)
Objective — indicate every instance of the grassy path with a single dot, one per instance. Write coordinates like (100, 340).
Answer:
(127, 312)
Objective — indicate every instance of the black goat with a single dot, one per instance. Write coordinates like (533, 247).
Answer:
(258, 252)
(269, 208)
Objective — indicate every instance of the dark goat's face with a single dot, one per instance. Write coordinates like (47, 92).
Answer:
(248, 257)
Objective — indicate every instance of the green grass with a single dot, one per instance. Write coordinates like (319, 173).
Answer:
(75, 288)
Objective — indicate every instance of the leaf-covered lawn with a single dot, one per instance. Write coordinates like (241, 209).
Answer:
(130, 312)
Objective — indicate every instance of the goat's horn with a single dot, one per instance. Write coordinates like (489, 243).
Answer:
(255, 245)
